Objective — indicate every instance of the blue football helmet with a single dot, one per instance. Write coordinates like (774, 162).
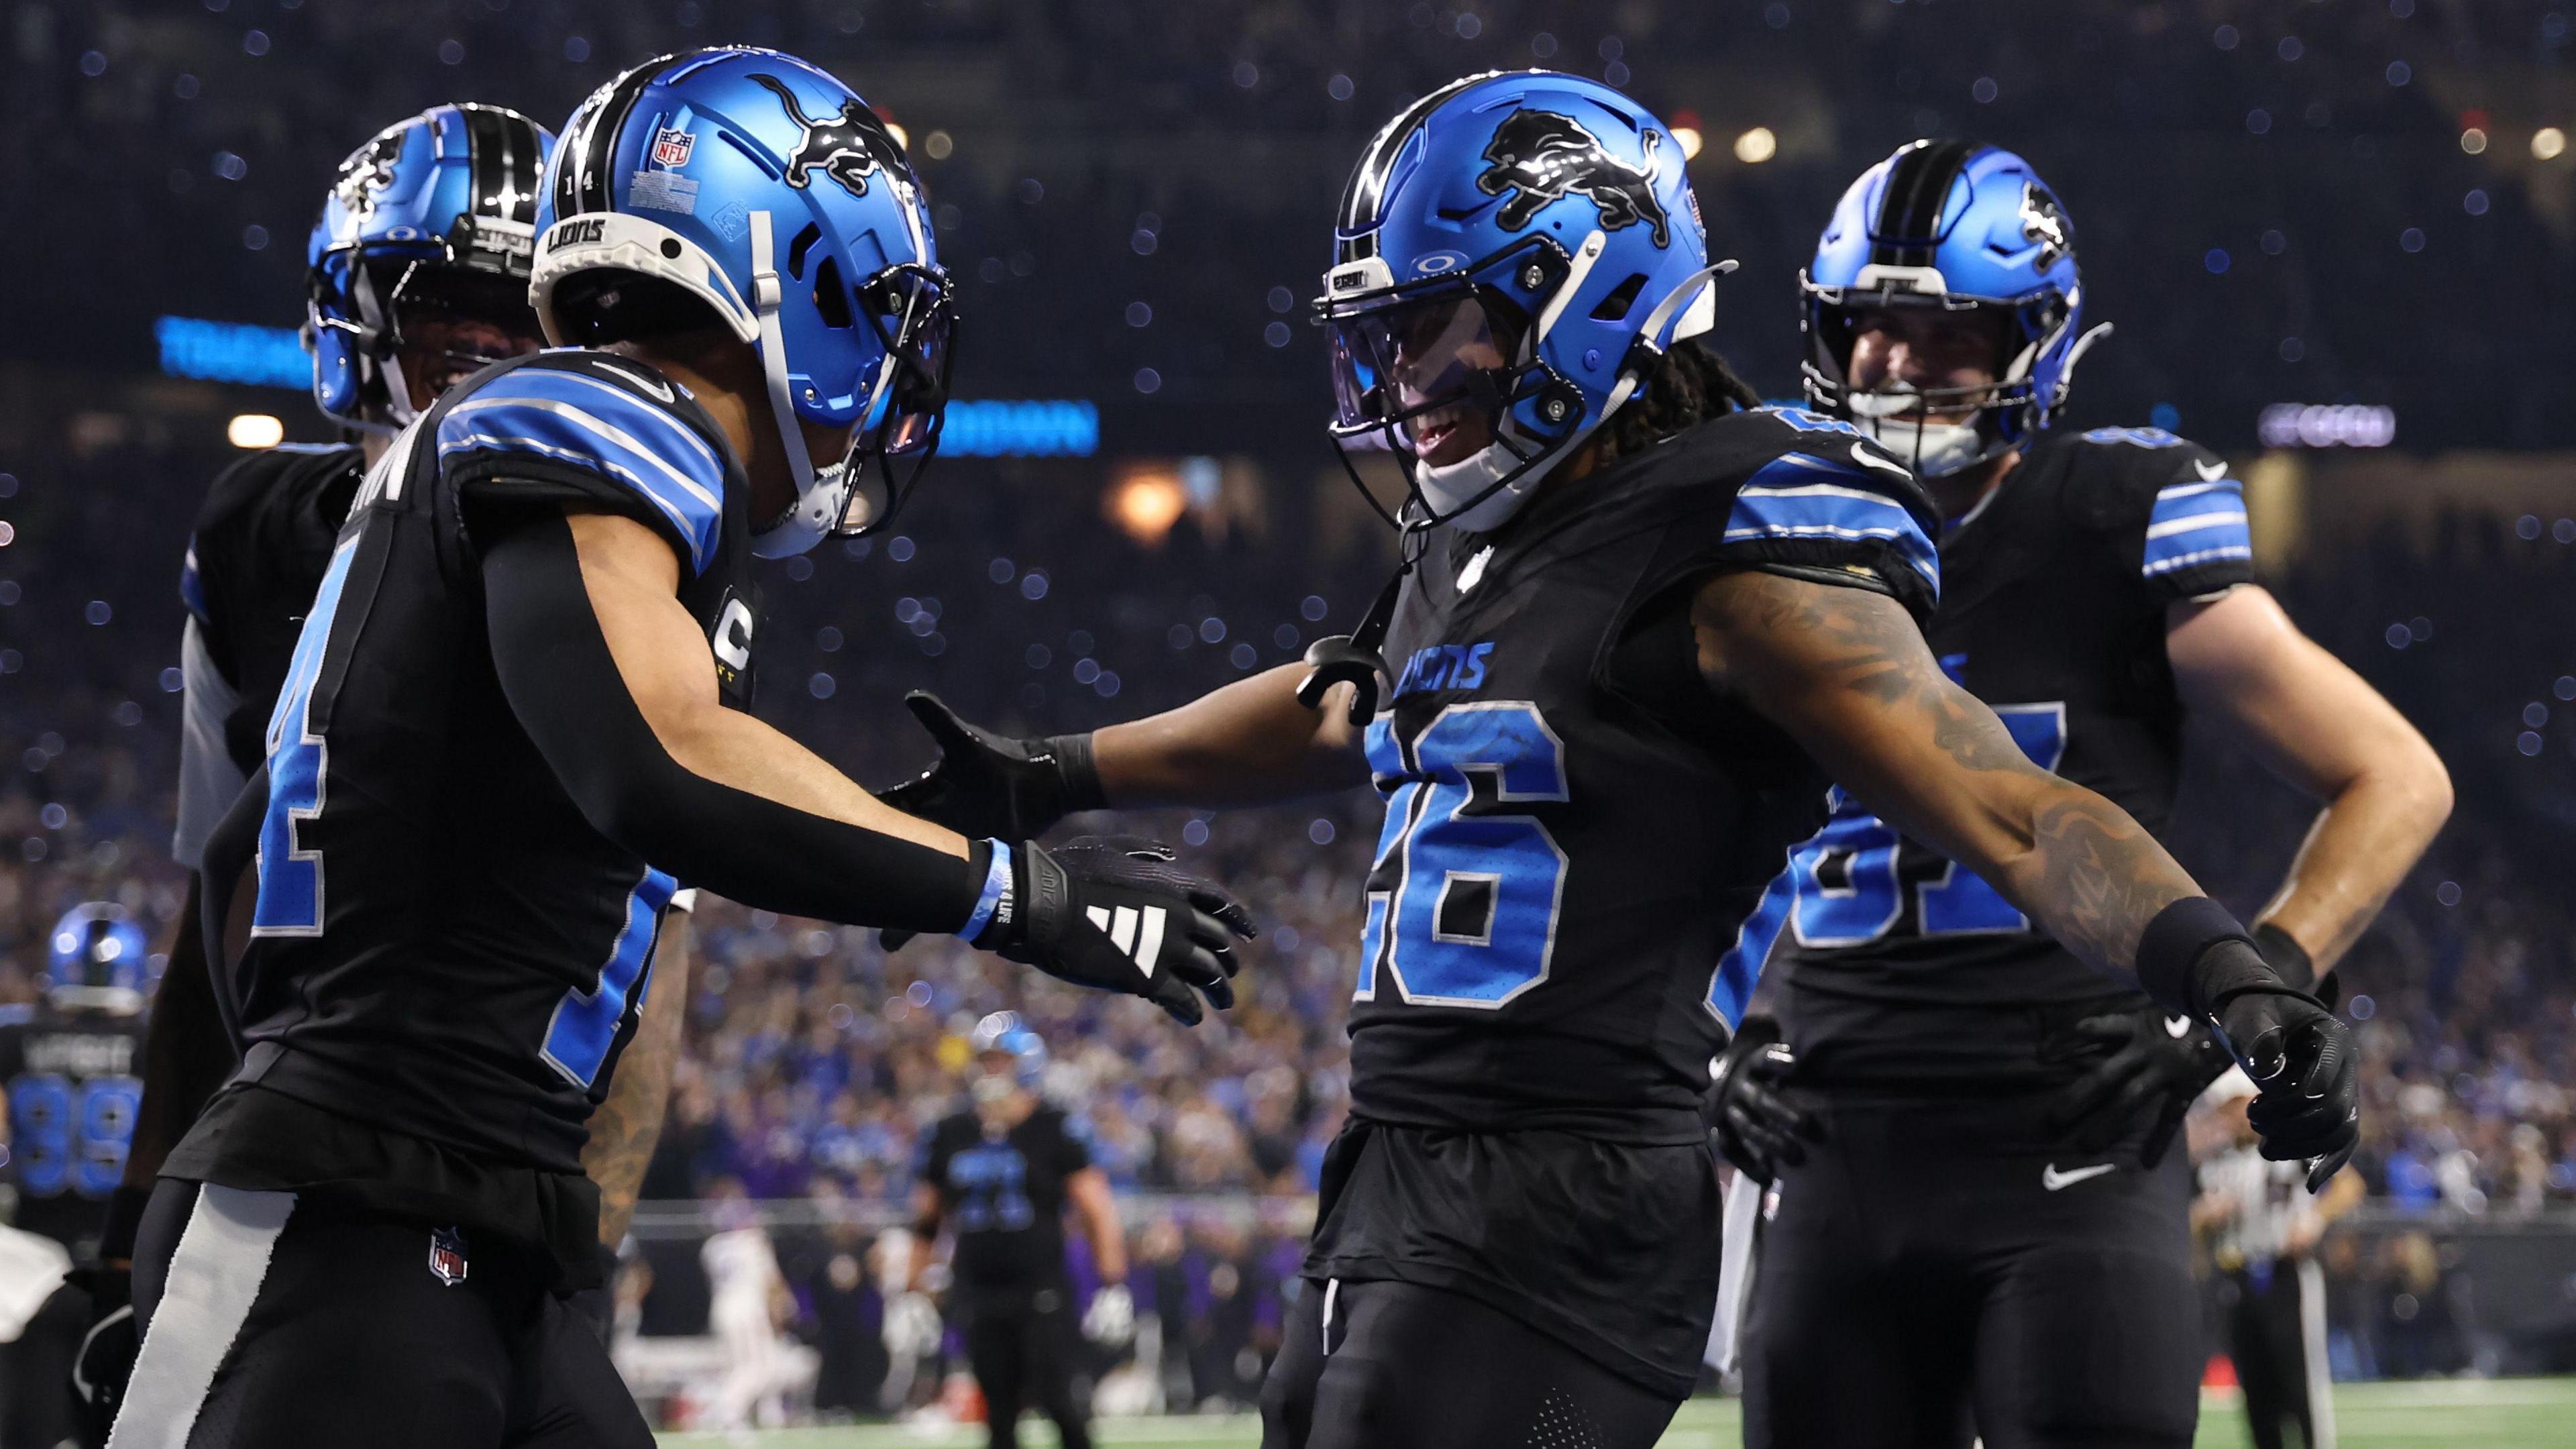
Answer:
(437, 214)
(767, 191)
(1511, 257)
(99, 959)
(1972, 231)
(1003, 1032)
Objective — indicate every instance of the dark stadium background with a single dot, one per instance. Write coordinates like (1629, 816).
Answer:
(2363, 205)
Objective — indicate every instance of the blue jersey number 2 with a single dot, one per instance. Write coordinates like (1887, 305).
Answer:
(290, 874)
(1471, 920)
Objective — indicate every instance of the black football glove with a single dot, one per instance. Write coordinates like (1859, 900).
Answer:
(1114, 913)
(986, 786)
(1749, 1122)
(2143, 1062)
(2300, 1055)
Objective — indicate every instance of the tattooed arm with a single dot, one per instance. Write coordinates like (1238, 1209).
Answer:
(1847, 674)
(626, 1124)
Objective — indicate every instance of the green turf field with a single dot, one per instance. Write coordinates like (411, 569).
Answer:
(2500, 1414)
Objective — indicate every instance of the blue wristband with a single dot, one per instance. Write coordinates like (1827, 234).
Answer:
(997, 884)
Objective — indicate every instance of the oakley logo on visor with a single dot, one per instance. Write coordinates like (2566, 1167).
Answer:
(1545, 157)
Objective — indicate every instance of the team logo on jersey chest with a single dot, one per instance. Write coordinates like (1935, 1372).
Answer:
(1444, 666)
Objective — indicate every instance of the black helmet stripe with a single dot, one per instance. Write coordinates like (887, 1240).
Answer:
(487, 150)
(582, 183)
(1908, 225)
(1366, 190)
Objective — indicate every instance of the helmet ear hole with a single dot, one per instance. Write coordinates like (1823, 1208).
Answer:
(831, 297)
(1622, 297)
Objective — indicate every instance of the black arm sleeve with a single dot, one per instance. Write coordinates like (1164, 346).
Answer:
(563, 685)
(186, 1052)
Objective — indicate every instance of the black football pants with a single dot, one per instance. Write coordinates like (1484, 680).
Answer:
(36, 1373)
(2266, 1338)
(1022, 1346)
(1389, 1365)
(272, 1321)
(1920, 1287)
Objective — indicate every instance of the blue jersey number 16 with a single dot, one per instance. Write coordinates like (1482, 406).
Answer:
(1472, 918)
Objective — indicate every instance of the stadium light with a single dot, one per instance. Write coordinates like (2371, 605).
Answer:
(2322, 425)
(1756, 146)
(1145, 501)
(975, 428)
(2474, 140)
(254, 430)
(232, 352)
(2548, 143)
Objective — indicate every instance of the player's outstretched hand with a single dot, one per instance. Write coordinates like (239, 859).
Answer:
(2143, 1063)
(1751, 1123)
(1115, 913)
(2302, 1060)
(988, 786)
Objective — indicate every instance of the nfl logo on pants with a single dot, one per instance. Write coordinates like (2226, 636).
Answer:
(447, 1256)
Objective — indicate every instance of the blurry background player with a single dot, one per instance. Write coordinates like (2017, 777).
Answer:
(515, 717)
(2262, 1234)
(1991, 1237)
(1612, 680)
(1000, 1176)
(418, 275)
(68, 1074)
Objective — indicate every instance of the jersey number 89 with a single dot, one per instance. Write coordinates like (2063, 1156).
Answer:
(1471, 920)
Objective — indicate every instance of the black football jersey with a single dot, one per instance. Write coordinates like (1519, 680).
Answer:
(1576, 823)
(260, 546)
(1004, 1196)
(1900, 965)
(442, 946)
(74, 1079)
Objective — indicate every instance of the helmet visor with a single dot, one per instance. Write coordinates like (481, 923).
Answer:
(1437, 368)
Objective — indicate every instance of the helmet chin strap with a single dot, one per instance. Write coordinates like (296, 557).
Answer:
(819, 499)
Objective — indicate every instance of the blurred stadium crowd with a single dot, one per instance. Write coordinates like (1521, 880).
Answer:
(1135, 191)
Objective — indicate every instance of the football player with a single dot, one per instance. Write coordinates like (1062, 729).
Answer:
(1001, 1175)
(67, 1096)
(1643, 617)
(513, 720)
(418, 274)
(1991, 1239)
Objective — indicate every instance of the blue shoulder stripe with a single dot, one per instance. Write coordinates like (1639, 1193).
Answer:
(2196, 523)
(1794, 497)
(567, 417)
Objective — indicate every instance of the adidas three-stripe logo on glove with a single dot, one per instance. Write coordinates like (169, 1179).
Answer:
(1116, 913)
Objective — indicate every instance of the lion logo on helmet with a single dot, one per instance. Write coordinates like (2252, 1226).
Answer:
(2043, 222)
(1541, 157)
(368, 171)
(849, 147)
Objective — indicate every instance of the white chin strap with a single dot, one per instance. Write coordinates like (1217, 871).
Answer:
(1455, 486)
(822, 495)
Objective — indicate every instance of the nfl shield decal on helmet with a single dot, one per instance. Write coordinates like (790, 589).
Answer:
(672, 148)
(447, 1256)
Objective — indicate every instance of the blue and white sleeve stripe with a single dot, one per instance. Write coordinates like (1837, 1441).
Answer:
(1794, 496)
(2193, 524)
(566, 417)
